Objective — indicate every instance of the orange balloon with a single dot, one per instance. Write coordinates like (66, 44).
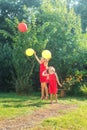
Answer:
(22, 27)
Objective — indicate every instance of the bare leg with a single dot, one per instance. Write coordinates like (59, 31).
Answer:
(51, 98)
(42, 90)
(56, 97)
(46, 90)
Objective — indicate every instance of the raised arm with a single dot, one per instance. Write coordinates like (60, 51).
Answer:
(37, 58)
(58, 80)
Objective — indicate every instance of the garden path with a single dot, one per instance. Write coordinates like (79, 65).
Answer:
(27, 122)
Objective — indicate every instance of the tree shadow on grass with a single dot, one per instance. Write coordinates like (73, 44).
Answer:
(16, 101)
(29, 104)
(16, 98)
(72, 98)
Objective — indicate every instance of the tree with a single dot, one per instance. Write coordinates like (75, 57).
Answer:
(63, 32)
(9, 11)
(51, 26)
(80, 7)
(6, 68)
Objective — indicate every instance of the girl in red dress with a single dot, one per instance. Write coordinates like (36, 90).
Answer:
(52, 80)
(43, 79)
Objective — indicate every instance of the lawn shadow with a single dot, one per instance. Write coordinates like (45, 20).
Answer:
(29, 104)
(72, 98)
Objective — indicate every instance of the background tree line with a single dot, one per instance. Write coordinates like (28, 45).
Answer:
(52, 24)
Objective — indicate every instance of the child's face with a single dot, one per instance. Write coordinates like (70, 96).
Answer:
(51, 70)
(42, 59)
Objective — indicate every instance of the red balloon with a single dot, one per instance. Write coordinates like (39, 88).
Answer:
(22, 27)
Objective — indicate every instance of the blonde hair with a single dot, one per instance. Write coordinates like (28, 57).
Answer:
(52, 68)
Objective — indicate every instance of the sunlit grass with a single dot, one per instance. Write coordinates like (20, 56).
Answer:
(73, 100)
(12, 105)
(71, 120)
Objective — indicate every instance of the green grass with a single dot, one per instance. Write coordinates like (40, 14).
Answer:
(12, 105)
(71, 120)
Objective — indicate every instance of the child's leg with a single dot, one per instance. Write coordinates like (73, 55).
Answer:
(56, 97)
(46, 90)
(51, 98)
(42, 90)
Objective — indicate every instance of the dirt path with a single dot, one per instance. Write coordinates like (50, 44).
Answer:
(30, 121)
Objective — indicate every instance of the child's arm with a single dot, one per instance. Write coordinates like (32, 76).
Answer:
(58, 80)
(37, 58)
(44, 73)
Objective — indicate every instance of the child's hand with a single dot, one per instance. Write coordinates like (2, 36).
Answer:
(47, 67)
(34, 52)
(60, 85)
(47, 76)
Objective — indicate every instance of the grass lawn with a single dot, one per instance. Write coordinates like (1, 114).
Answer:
(12, 106)
(72, 120)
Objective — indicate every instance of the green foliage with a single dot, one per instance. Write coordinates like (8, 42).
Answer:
(24, 65)
(62, 33)
(74, 83)
(83, 89)
(52, 26)
(80, 7)
(65, 41)
(6, 68)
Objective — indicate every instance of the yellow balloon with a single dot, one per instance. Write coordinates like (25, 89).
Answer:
(46, 54)
(29, 52)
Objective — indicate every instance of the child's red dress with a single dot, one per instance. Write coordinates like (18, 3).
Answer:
(42, 68)
(52, 84)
